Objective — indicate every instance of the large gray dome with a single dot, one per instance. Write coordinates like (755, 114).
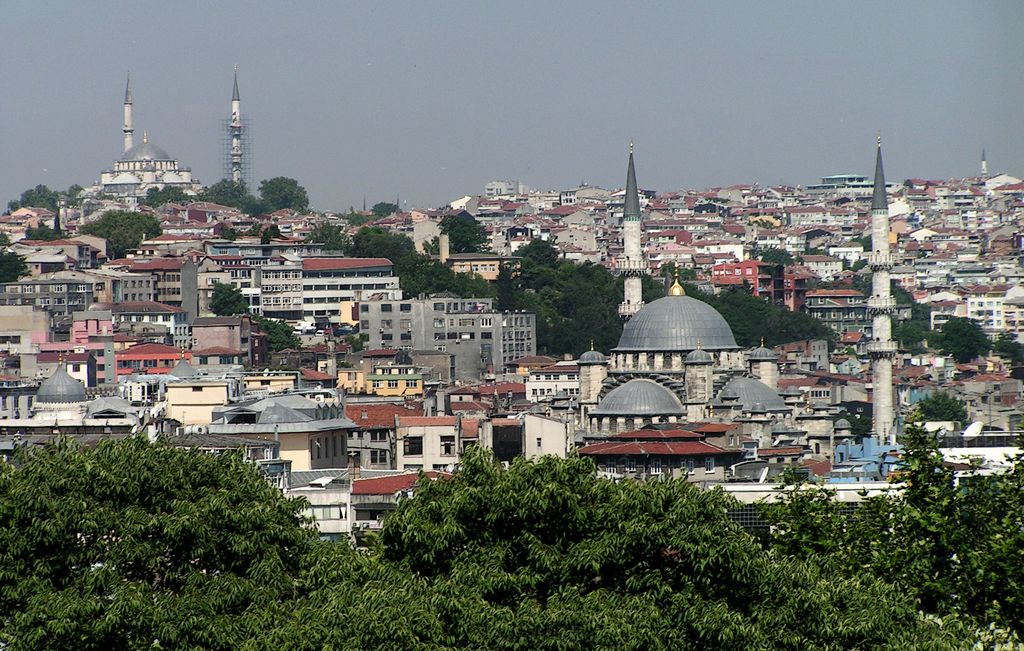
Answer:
(61, 388)
(676, 323)
(145, 151)
(640, 397)
(753, 393)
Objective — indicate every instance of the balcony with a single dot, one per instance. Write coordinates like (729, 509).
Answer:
(885, 304)
(631, 265)
(882, 348)
(881, 261)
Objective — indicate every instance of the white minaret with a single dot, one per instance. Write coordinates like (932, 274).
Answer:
(881, 306)
(128, 129)
(984, 166)
(235, 125)
(632, 264)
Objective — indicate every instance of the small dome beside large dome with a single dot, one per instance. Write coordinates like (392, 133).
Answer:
(676, 323)
(639, 397)
(753, 395)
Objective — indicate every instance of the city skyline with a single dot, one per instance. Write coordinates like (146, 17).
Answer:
(432, 102)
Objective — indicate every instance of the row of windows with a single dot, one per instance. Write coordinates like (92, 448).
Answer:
(655, 466)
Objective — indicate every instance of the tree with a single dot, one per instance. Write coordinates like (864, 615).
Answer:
(941, 406)
(42, 233)
(230, 193)
(228, 233)
(372, 241)
(963, 339)
(156, 197)
(776, 256)
(952, 545)
(280, 335)
(122, 230)
(547, 555)
(12, 267)
(283, 192)
(134, 545)
(1007, 347)
(37, 197)
(465, 234)
(332, 236)
(227, 300)
(269, 233)
(383, 209)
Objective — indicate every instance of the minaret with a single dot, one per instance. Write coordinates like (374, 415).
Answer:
(984, 166)
(631, 264)
(129, 128)
(881, 306)
(235, 126)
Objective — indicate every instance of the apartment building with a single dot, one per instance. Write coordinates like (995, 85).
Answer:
(480, 339)
(332, 286)
(59, 293)
(176, 282)
(563, 379)
(842, 310)
(428, 442)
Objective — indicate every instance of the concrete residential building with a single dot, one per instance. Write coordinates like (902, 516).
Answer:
(176, 282)
(235, 333)
(481, 339)
(842, 310)
(173, 319)
(561, 379)
(332, 286)
(23, 328)
(59, 293)
(428, 442)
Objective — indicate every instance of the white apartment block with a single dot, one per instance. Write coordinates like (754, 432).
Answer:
(560, 378)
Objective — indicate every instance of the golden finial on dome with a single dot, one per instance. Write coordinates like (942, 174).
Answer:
(631, 145)
(182, 352)
(698, 343)
(878, 138)
(591, 344)
(145, 136)
(676, 289)
(762, 342)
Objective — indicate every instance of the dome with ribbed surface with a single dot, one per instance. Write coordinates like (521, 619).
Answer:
(61, 388)
(676, 323)
(699, 356)
(592, 357)
(754, 394)
(762, 354)
(640, 397)
(842, 423)
(145, 150)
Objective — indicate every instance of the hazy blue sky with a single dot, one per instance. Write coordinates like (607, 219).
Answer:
(433, 99)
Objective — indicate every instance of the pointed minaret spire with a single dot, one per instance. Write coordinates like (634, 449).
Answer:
(236, 165)
(632, 264)
(984, 165)
(631, 207)
(881, 306)
(129, 128)
(234, 93)
(878, 197)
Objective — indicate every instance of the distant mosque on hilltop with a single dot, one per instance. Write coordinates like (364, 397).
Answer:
(144, 165)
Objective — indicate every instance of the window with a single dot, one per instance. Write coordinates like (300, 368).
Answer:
(378, 456)
(630, 464)
(392, 384)
(709, 464)
(413, 446)
(328, 512)
(378, 436)
(655, 465)
(447, 445)
(386, 307)
(405, 307)
(690, 465)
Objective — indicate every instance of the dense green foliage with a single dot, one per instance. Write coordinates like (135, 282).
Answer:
(283, 192)
(332, 236)
(280, 335)
(12, 267)
(752, 318)
(953, 546)
(37, 197)
(156, 197)
(228, 300)
(122, 230)
(941, 406)
(137, 546)
(43, 233)
(775, 256)
(962, 338)
(230, 193)
(465, 233)
(383, 209)
(1007, 347)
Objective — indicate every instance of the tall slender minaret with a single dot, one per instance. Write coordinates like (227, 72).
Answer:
(984, 166)
(881, 306)
(129, 128)
(235, 126)
(631, 264)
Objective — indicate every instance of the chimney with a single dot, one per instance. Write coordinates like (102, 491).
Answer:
(443, 247)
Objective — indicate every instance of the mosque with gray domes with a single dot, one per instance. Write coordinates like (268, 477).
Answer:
(678, 362)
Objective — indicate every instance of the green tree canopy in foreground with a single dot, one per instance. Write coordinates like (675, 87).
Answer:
(12, 267)
(122, 230)
(465, 233)
(283, 192)
(135, 545)
(962, 338)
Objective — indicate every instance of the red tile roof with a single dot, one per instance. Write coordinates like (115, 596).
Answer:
(392, 484)
(153, 349)
(380, 415)
(657, 434)
(779, 452)
(313, 375)
(161, 264)
(217, 350)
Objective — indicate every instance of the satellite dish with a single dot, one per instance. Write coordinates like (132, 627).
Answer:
(974, 429)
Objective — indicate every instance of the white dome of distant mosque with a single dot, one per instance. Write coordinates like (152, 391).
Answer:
(144, 151)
